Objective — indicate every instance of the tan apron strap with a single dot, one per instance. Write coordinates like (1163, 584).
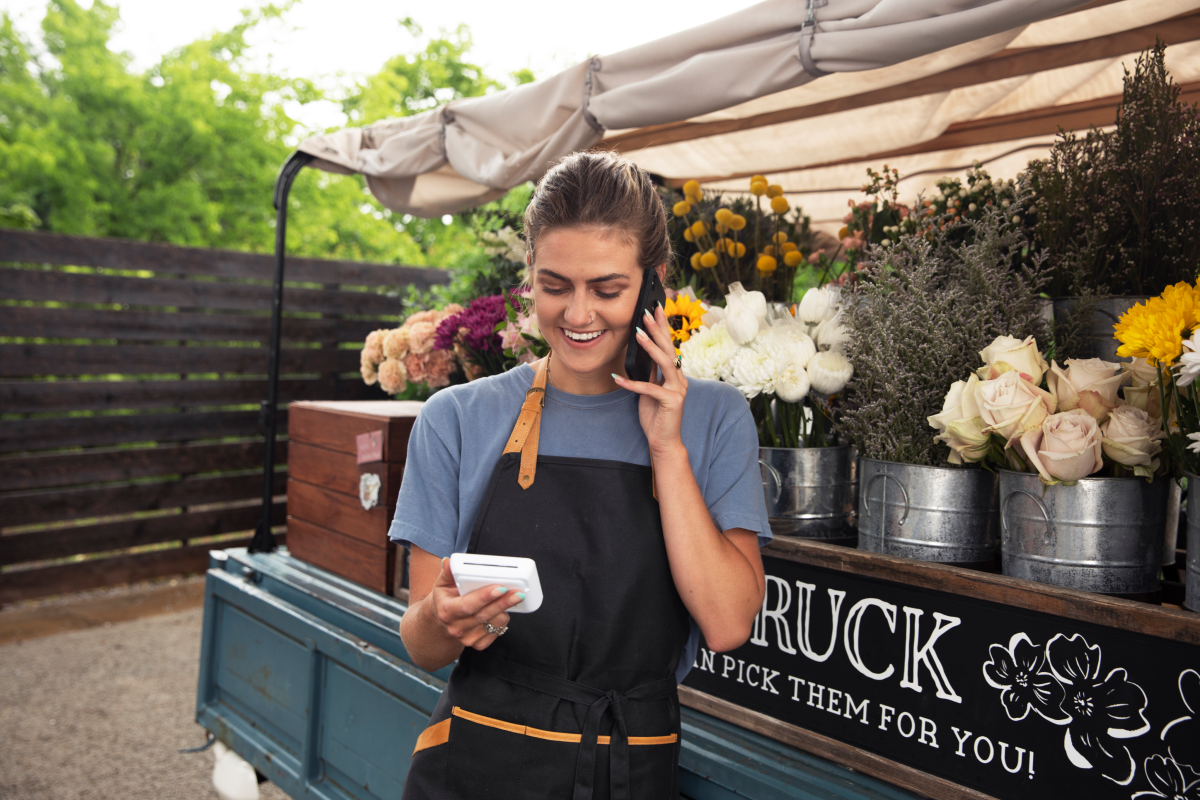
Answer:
(524, 438)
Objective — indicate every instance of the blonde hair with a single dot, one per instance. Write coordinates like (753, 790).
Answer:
(605, 191)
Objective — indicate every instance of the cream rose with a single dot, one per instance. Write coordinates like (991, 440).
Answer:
(1022, 356)
(1010, 405)
(1087, 383)
(960, 425)
(1133, 438)
(1065, 447)
(1142, 391)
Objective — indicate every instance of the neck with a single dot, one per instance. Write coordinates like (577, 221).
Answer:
(565, 379)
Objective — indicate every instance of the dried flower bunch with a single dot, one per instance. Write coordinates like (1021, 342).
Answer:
(1117, 209)
(921, 313)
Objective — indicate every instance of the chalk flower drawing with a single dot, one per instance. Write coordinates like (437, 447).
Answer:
(1020, 672)
(1098, 709)
(1170, 779)
(1185, 730)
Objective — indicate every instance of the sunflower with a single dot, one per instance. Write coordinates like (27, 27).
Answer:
(1155, 330)
(683, 315)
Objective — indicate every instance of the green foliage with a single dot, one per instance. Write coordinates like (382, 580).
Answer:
(187, 152)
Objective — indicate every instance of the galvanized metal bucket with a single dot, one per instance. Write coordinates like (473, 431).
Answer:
(1192, 598)
(1101, 535)
(811, 492)
(941, 514)
(1099, 340)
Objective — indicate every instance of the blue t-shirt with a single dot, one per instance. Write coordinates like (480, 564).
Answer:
(461, 431)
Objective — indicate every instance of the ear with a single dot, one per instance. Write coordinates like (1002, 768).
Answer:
(661, 269)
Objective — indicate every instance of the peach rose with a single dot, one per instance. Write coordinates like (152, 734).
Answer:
(392, 376)
(960, 425)
(1022, 356)
(1133, 438)
(1065, 447)
(1010, 405)
(1087, 383)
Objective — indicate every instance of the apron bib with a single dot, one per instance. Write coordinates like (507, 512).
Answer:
(578, 700)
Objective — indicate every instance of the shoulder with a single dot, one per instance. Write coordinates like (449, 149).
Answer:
(715, 400)
(452, 405)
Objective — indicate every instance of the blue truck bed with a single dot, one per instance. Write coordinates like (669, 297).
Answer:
(304, 675)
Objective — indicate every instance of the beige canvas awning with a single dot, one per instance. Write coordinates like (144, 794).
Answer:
(928, 84)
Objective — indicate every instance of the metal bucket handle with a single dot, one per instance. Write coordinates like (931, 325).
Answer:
(1037, 501)
(774, 473)
(903, 491)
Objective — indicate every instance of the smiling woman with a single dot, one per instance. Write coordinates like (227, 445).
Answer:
(639, 501)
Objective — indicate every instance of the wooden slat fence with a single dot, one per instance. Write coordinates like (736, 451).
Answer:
(130, 382)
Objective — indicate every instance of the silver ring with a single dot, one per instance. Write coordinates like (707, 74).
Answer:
(490, 628)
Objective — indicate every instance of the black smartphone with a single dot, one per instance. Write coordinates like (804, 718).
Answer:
(638, 364)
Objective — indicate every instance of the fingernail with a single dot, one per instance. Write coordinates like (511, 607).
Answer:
(616, 377)
(444, 560)
(660, 308)
(520, 596)
(648, 314)
(640, 331)
(499, 590)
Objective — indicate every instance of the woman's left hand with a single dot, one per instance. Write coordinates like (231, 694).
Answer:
(660, 408)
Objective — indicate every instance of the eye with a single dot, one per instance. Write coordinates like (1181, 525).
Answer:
(608, 295)
(554, 290)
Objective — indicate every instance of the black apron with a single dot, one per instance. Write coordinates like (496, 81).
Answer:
(578, 700)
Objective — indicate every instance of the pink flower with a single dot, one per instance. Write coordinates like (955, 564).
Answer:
(420, 336)
(439, 365)
(373, 348)
(1065, 447)
(369, 375)
(414, 364)
(392, 377)
(852, 243)
(395, 343)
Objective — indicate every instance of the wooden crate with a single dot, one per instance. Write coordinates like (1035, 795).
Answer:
(327, 524)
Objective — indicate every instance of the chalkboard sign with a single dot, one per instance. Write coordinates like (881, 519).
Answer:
(1011, 702)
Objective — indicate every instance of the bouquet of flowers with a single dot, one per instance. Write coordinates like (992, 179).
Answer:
(394, 358)
(520, 335)
(1165, 366)
(790, 367)
(1065, 424)
(471, 334)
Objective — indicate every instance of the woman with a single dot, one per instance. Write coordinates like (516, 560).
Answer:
(640, 509)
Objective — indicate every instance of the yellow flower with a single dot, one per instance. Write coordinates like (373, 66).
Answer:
(737, 222)
(722, 227)
(682, 208)
(699, 228)
(766, 265)
(741, 250)
(769, 250)
(779, 238)
(788, 247)
(688, 235)
(780, 205)
(792, 258)
(683, 314)
(708, 260)
(723, 215)
(691, 189)
(695, 261)
(1155, 330)
(774, 190)
(731, 247)
(843, 232)
(758, 187)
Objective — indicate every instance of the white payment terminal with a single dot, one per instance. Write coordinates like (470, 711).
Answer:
(473, 571)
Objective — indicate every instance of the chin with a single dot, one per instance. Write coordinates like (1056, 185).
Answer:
(587, 361)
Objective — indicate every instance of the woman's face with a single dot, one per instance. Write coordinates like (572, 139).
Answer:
(585, 286)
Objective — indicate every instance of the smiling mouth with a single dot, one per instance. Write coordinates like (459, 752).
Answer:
(581, 336)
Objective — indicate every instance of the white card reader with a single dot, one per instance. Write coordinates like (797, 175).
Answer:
(473, 571)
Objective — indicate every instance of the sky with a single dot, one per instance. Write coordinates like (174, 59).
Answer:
(336, 41)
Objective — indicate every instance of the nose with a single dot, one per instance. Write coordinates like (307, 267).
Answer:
(579, 313)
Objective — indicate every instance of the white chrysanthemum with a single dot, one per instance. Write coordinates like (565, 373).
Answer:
(813, 305)
(742, 323)
(788, 341)
(707, 353)
(754, 370)
(829, 371)
(1189, 362)
(831, 334)
(1195, 445)
(791, 382)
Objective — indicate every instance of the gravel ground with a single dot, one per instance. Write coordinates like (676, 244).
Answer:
(100, 713)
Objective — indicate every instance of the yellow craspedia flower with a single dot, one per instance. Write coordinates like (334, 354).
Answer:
(722, 227)
(758, 179)
(740, 251)
(691, 188)
(779, 238)
(688, 235)
(699, 228)
(723, 215)
(792, 257)
(769, 250)
(780, 205)
(708, 260)
(758, 188)
(683, 315)
(774, 190)
(737, 222)
(843, 232)
(1155, 330)
(695, 261)
(788, 247)
(682, 208)
(731, 247)
(766, 265)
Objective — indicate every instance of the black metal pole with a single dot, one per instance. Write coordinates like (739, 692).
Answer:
(264, 540)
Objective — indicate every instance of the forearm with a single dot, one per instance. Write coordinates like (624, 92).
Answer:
(428, 644)
(719, 585)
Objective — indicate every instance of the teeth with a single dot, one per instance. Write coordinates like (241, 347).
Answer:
(581, 337)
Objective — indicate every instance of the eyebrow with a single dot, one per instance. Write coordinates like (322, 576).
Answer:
(612, 276)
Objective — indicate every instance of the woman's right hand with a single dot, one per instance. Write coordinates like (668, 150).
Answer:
(462, 617)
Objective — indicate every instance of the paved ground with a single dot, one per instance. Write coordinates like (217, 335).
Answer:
(100, 712)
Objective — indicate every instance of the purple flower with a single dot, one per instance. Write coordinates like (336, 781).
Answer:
(1018, 670)
(474, 326)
